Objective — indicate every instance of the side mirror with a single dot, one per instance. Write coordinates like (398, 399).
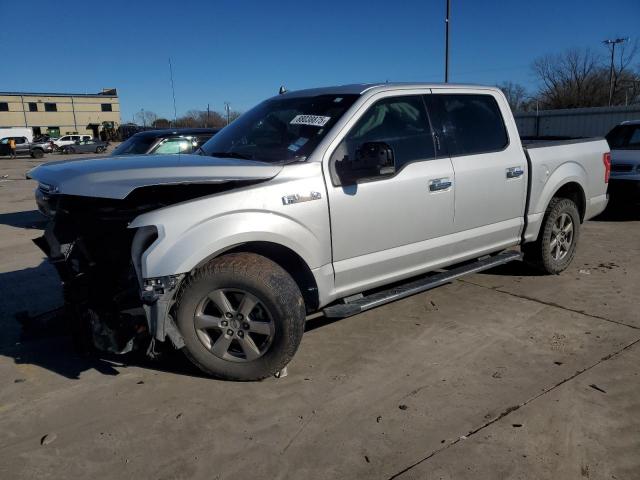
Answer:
(375, 158)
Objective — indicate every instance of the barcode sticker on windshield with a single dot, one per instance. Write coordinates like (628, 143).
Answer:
(313, 120)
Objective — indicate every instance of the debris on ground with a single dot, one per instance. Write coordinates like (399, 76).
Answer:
(584, 271)
(595, 387)
(402, 407)
(48, 438)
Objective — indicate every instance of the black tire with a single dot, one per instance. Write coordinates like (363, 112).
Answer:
(37, 153)
(545, 254)
(99, 150)
(279, 299)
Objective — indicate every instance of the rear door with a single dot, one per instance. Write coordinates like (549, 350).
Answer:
(388, 224)
(489, 166)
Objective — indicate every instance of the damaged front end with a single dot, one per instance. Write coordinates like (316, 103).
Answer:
(99, 259)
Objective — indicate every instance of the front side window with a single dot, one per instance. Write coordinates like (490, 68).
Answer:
(469, 123)
(280, 130)
(393, 132)
(50, 107)
(20, 140)
(173, 145)
(65, 139)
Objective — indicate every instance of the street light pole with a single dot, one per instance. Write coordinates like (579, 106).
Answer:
(613, 43)
(227, 108)
(446, 43)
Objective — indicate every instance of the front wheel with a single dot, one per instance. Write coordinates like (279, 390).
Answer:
(37, 153)
(558, 238)
(242, 317)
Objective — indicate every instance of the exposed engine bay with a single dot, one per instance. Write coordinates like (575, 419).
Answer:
(108, 303)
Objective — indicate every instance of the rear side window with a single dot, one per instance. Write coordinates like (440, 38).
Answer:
(135, 145)
(469, 124)
(624, 137)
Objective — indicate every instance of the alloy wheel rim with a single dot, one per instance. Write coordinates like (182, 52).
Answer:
(561, 237)
(234, 325)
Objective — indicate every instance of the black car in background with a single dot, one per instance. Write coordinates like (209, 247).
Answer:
(179, 140)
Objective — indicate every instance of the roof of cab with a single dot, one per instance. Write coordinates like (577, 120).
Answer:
(360, 88)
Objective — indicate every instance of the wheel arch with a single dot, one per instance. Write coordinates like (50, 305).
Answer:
(291, 262)
(573, 191)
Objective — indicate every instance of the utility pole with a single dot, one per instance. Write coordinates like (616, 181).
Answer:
(144, 121)
(227, 108)
(612, 43)
(446, 43)
(207, 124)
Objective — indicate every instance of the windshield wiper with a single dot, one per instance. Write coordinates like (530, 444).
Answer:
(230, 155)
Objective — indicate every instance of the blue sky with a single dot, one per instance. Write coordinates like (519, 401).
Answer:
(242, 51)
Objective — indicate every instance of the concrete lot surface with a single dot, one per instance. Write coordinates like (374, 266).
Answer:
(505, 374)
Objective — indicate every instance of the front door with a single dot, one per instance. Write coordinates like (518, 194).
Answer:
(387, 221)
(490, 171)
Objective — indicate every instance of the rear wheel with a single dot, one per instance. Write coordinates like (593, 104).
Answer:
(242, 317)
(556, 245)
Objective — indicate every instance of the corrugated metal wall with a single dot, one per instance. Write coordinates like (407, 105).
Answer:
(574, 122)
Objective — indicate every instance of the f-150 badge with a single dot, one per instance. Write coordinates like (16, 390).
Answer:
(297, 198)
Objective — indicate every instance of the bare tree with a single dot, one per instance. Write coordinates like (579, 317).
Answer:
(580, 78)
(202, 118)
(161, 123)
(516, 95)
(146, 117)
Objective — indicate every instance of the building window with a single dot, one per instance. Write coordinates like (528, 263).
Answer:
(33, 107)
(50, 107)
(4, 107)
(107, 107)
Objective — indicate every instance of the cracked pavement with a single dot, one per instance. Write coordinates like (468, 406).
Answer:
(504, 374)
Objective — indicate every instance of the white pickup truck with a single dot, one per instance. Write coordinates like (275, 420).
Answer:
(316, 200)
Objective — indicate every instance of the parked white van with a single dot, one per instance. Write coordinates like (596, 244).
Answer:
(17, 132)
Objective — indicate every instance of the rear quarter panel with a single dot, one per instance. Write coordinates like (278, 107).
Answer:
(553, 166)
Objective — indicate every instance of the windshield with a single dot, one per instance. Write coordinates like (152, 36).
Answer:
(280, 130)
(135, 145)
(624, 137)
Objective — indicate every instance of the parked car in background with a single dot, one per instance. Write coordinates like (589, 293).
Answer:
(86, 146)
(317, 200)
(24, 147)
(69, 140)
(169, 141)
(624, 141)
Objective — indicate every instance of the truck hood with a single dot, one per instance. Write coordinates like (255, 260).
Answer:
(117, 177)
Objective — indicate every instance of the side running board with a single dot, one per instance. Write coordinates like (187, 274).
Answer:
(416, 286)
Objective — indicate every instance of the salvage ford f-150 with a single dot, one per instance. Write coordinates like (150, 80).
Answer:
(316, 200)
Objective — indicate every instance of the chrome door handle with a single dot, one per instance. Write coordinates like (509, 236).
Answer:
(514, 172)
(439, 184)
